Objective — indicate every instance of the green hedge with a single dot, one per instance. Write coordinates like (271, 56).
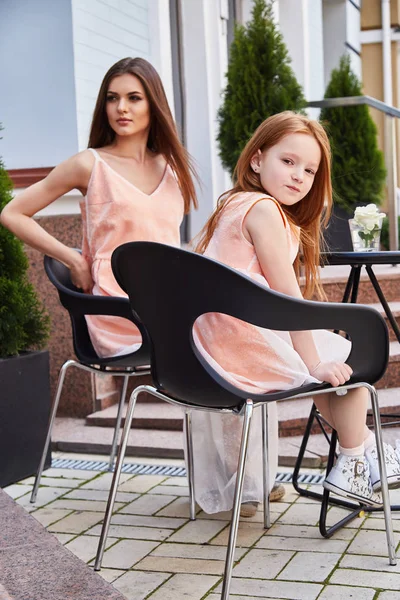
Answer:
(358, 169)
(385, 233)
(260, 82)
(24, 325)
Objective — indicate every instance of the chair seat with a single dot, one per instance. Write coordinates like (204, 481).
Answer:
(139, 358)
(242, 395)
(286, 394)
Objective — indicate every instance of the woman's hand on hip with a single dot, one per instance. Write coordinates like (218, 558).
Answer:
(81, 275)
(335, 373)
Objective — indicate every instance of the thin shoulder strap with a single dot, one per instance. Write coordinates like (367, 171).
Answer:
(95, 153)
(258, 197)
(284, 217)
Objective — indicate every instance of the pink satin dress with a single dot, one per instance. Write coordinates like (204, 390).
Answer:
(114, 212)
(252, 358)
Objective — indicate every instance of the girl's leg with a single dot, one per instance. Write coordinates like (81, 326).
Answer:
(355, 474)
(350, 475)
(347, 414)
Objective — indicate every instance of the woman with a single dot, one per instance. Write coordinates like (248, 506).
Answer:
(135, 179)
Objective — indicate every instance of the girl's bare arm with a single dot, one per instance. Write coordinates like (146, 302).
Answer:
(17, 215)
(265, 228)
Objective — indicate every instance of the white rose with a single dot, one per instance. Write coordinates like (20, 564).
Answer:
(363, 211)
(368, 217)
(370, 223)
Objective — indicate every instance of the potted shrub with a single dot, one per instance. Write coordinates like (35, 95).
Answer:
(24, 367)
(358, 170)
(260, 82)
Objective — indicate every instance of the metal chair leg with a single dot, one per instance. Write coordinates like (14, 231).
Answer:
(118, 422)
(230, 552)
(60, 383)
(383, 476)
(190, 464)
(266, 490)
(93, 390)
(116, 476)
(300, 456)
(325, 495)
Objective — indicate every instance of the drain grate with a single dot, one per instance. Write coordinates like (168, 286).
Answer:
(140, 469)
(311, 478)
(133, 468)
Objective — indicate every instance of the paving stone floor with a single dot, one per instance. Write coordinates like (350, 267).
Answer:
(154, 551)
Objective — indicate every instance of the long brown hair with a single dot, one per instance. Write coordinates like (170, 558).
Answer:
(311, 214)
(163, 137)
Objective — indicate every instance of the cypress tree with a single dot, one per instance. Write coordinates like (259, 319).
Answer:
(358, 169)
(24, 325)
(260, 82)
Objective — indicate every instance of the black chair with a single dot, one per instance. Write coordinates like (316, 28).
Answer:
(78, 305)
(169, 289)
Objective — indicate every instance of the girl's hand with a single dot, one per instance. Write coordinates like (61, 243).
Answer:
(335, 373)
(81, 275)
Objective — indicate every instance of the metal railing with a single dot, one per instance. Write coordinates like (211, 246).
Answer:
(390, 151)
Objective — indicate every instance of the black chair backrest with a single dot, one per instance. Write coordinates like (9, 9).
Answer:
(79, 304)
(170, 288)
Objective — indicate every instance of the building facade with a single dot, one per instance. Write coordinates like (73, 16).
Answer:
(53, 57)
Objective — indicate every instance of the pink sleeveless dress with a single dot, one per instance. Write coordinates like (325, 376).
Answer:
(252, 358)
(114, 212)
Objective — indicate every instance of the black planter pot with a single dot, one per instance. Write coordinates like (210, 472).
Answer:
(337, 235)
(24, 414)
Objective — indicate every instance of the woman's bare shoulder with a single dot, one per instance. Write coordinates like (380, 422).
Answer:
(74, 172)
(83, 160)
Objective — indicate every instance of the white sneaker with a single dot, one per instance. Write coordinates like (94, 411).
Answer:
(350, 477)
(392, 466)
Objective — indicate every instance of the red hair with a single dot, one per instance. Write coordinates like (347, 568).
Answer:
(311, 214)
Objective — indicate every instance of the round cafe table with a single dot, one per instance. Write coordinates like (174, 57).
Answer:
(357, 260)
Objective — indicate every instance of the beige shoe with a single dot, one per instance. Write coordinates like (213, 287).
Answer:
(248, 509)
(277, 492)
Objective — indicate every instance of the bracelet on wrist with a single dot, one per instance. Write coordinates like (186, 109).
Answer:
(315, 368)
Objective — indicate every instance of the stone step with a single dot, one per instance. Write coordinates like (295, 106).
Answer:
(394, 306)
(334, 280)
(148, 415)
(72, 435)
(391, 379)
(293, 415)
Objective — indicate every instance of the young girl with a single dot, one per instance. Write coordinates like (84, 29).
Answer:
(281, 199)
(135, 179)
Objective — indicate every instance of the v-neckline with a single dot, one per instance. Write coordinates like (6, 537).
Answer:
(129, 182)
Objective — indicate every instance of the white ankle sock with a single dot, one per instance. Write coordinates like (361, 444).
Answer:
(357, 451)
(369, 441)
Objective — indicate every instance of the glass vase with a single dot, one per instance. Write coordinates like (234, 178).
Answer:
(363, 239)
